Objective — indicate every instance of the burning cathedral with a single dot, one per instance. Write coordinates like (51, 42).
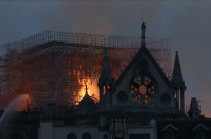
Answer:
(141, 103)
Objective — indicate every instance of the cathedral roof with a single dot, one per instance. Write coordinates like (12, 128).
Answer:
(87, 102)
(135, 59)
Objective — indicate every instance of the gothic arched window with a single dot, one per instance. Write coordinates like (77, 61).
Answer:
(86, 136)
(71, 136)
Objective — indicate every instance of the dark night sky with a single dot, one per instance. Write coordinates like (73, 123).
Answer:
(186, 23)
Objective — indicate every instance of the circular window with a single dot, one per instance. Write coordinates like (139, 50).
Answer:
(143, 88)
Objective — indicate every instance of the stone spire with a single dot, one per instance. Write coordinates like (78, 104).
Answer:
(106, 75)
(143, 30)
(177, 78)
(178, 84)
(194, 111)
(106, 84)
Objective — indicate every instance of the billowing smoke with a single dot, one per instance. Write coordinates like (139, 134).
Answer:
(187, 24)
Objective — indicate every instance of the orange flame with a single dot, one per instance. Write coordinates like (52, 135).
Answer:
(93, 90)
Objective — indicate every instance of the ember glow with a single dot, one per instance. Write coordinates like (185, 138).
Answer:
(93, 90)
(61, 73)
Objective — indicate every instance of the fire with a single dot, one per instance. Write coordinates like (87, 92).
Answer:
(93, 90)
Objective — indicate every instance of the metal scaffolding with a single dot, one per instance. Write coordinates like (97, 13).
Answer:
(54, 67)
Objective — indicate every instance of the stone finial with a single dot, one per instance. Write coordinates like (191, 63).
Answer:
(143, 30)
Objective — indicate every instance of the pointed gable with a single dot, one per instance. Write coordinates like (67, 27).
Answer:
(169, 127)
(200, 127)
(87, 102)
(144, 63)
(142, 50)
